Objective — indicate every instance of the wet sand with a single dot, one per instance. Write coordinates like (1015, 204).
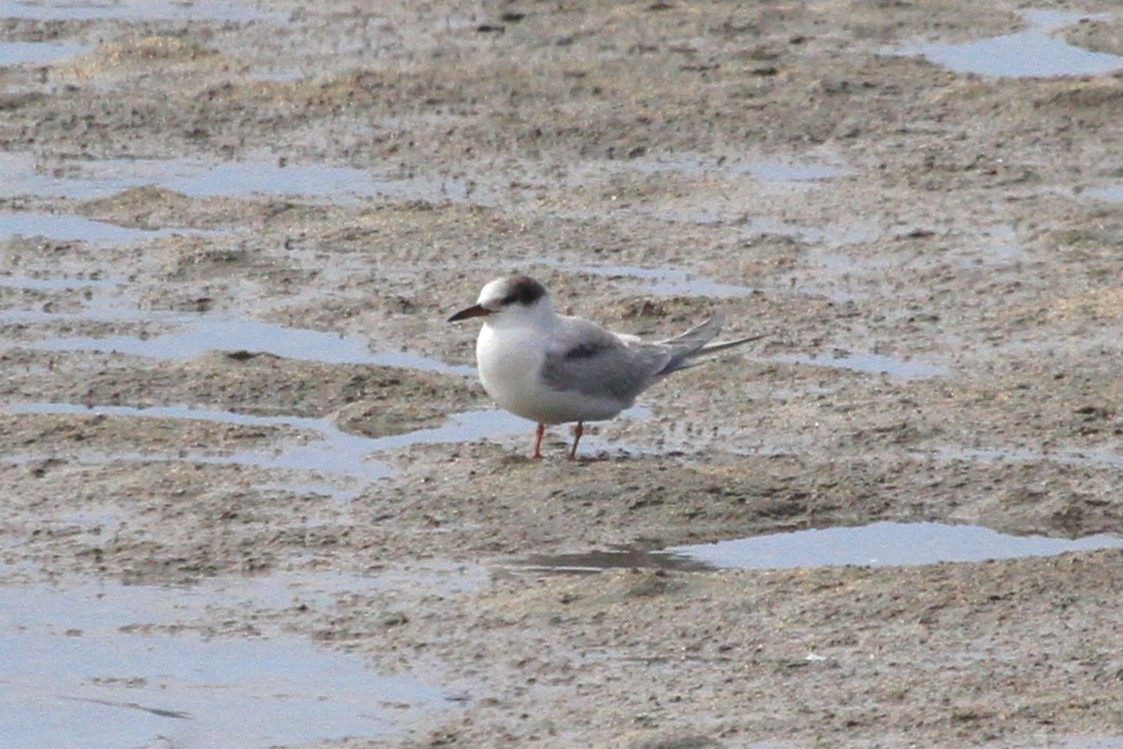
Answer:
(231, 236)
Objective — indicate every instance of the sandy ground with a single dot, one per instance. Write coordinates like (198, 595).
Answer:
(650, 162)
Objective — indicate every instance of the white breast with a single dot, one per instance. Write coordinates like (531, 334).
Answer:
(509, 364)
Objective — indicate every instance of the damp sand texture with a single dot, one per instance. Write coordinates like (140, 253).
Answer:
(237, 433)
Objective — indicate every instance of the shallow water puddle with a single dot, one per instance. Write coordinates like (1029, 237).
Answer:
(78, 671)
(1069, 742)
(196, 334)
(249, 178)
(344, 460)
(28, 174)
(53, 284)
(333, 454)
(199, 335)
(1111, 194)
(882, 544)
(102, 300)
(25, 174)
(84, 180)
(316, 180)
(1033, 53)
(134, 10)
(36, 53)
(64, 227)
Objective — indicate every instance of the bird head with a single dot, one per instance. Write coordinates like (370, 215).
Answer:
(513, 296)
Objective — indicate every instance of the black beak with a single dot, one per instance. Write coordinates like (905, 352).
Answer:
(474, 311)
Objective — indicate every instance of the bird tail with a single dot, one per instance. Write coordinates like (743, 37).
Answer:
(694, 343)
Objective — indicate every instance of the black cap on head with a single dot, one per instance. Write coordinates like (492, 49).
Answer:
(524, 290)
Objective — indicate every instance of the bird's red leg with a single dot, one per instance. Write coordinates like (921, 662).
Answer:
(538, 442)
(577, 432)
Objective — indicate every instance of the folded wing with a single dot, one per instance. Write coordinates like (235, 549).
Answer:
(597, 363)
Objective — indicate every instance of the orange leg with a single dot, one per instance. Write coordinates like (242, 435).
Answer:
(538, 442)
(577, 432)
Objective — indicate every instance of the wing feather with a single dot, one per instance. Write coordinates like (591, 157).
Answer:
(597, 363)
(590, 360)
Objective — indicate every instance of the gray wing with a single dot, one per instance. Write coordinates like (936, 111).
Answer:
(596, 363)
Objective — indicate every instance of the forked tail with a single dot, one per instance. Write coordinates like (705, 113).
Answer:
(694, 343)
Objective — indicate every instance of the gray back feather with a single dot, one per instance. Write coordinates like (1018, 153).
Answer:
(597, 363)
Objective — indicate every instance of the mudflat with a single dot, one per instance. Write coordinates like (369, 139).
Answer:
(229, 239)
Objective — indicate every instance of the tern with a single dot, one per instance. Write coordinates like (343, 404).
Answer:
(556, 369)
